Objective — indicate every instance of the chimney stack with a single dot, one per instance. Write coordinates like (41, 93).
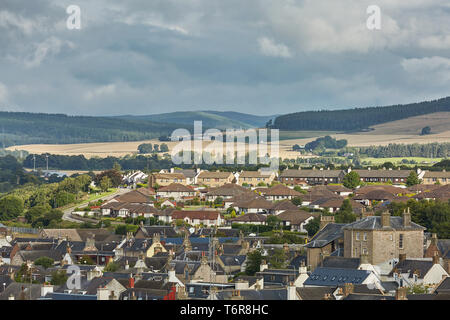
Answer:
(400, 294)
(406, 218)
(436, 259)
(434, 239)
(324, 220)
(348, 289)
(263, 266)
(131, 282)
(386, 219)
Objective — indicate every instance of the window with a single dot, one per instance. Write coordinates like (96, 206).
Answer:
(365, 251)
(357, 236)
(365, 236)
(400, 241)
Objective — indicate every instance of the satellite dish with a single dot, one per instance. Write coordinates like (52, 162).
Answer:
(191, 230)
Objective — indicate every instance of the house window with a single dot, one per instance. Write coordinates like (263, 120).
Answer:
(400, 241)
(365, 251)
(365, 236)
(357, 236)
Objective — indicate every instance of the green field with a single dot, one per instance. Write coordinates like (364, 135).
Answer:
(398, 160)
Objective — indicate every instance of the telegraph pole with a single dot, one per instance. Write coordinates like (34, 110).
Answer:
(34, 162)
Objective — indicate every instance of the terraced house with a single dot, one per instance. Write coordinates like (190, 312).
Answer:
(311, 177)
(215, 178)
(385, 175)
(253, 178)
(164, 179)
(433, 177)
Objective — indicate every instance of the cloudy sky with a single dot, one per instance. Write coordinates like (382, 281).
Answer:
(255, 56)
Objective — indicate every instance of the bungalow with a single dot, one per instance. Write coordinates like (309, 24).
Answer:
(296, 219)
(280, 192)
(250, 218)
(215, 178)
(205, 217)
(226, 191)
(257, 205)
(177, 191)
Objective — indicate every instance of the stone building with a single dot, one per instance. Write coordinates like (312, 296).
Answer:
(383, 238)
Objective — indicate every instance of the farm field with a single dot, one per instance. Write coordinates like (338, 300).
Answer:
(405, 131)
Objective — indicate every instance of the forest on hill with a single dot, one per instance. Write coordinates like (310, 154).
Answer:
(359, 118)
(34, 128)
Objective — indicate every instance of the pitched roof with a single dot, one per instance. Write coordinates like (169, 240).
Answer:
(201, 214)
(374, 223)
(258, 203)
(315, 293)
(228, 189)
(282, 190)
(284, 205)
(376, 194)
(383, 173)
(134, 197)
(295, 217)
(254, 174)
(251, 217)
(169, 176)
(336, 276)
(176, 187)
(292, 173)
(327, 234)
(412, 266)
(163, 231)
(341, 262)
(214, 175)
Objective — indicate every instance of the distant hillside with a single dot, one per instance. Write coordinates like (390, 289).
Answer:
(32, 128)
(359, 118)
(210, 119)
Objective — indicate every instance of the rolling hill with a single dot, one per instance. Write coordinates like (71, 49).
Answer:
(210, 119)
(33, 128)
(358, 119)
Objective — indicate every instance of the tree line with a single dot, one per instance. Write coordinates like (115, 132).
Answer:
(357, 118)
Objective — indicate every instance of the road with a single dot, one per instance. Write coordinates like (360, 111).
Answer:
(67, 212)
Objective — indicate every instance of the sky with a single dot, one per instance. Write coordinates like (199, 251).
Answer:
(262, 57)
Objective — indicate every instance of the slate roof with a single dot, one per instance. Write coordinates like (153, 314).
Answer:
(315, 293)
(233, 260)
(326, 235)
(32, 255)
(21, 291)
(264, 294)
(374, 223)
(297, 261)
(354, 296)
(444, 286)
(257, 203)
(341, 262)
(206, 232)
(333, 277)
(411, 266)
(163, 231)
